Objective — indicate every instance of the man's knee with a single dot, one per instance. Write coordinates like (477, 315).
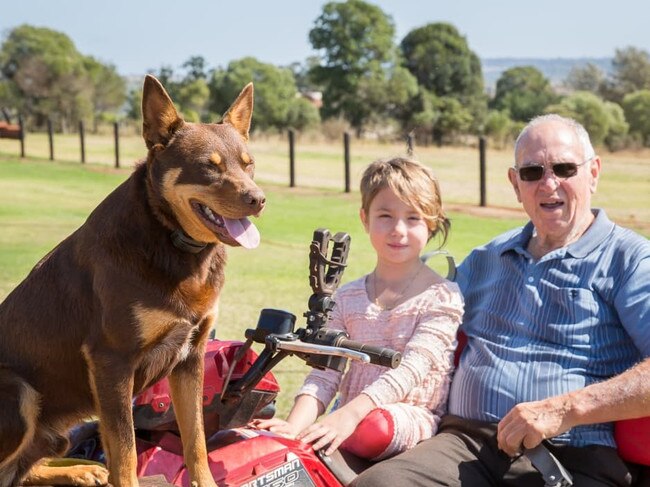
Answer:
(379, 475)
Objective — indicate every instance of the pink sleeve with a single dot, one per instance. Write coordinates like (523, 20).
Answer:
(427, 356)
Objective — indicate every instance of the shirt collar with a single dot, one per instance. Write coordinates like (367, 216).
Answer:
(599, 229)
(592, 238)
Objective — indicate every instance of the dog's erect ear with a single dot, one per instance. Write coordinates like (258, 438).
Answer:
(241, 111)
(159, 117)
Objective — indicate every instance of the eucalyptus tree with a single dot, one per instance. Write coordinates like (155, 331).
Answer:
(358, 60)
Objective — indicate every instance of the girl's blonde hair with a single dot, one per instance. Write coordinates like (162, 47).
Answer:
(414, 184)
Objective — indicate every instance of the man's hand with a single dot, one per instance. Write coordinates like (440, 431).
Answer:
(528, 423)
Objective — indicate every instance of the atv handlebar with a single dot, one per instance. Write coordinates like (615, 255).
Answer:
(341, 347)
(311, 348)
(378, 355)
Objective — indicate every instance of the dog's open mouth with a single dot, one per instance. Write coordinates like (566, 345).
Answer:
(240, 230)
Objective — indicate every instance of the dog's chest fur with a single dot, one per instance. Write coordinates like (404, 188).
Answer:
(168, 334)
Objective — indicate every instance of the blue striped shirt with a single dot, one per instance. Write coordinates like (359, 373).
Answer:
(539, 328)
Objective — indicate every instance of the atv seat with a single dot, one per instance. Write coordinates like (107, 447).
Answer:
(344, 465)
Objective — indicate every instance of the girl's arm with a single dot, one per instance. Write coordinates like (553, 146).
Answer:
(304, 412)
(337, 426)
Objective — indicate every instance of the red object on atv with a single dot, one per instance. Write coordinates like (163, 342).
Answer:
(238, 457)
(153, 410)
(633, 440)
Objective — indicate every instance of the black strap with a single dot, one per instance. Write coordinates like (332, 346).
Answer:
(186, 243)
(554, 473)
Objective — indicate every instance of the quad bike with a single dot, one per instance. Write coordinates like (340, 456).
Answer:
(239, 387)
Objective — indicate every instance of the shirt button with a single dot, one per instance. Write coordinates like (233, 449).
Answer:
(531, 279)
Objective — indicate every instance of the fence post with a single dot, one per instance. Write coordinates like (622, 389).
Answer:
(409, 144)
(50, 137)
(292, 161)
(346, 152)
(83, 143)
(116, 132)
(22, 136)
(481, 149)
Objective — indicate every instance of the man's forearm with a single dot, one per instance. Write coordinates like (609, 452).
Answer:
(622, 397)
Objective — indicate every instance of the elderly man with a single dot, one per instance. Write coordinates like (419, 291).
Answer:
(557, 316)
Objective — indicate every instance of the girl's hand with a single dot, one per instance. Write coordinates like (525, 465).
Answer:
(275, 425)
(330, 432)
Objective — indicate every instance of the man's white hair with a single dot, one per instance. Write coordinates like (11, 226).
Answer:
(578, 129)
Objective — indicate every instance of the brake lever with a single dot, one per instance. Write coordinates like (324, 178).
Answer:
(301, 347)
(553, 472)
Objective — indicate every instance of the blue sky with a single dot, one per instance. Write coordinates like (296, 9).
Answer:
(137, 36)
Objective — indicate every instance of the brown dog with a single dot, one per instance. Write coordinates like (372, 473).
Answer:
(128, 298)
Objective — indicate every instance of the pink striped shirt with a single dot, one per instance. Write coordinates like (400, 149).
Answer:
(423, 329)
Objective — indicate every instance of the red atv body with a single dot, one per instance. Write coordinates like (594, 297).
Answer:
(238, 456)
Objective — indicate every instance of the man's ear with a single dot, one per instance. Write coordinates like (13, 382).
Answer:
(512, 176)
(240, 113)
(594, 168)
(160, 120)
(364, 218)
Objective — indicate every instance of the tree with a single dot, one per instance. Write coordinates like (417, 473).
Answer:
(631, 73)
(302, 74)
(499, 128)
(134, 104)
(355, 39)
(302, 114)
(637, 112)
(616, 137)
(46, 73)
(196, 68)
(193, 96)
(107, 89)
(275, 90)
(589, 110)
(524, 92)
(419, 115)
(453, 119)
(442, 62)
(585, 78)
(49, 78)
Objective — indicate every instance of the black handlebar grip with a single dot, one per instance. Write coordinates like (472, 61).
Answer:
(378, 355)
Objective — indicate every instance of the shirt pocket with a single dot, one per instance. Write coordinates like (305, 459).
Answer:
(570, 316)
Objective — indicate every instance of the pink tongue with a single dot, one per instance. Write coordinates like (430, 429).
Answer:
(243, 231)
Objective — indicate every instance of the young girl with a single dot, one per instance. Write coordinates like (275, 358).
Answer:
(402, 304)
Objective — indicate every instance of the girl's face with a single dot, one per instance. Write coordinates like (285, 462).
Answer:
(397, 231)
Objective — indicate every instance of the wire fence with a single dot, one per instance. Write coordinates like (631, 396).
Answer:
(474, 174)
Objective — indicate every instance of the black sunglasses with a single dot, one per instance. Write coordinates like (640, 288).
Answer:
(535, 172)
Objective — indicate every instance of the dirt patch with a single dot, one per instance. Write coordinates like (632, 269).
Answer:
(642, 227)
(487, 211)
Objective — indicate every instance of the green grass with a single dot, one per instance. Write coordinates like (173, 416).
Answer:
(41, 202)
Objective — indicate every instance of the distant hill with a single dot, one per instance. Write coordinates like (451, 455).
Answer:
(555, 69)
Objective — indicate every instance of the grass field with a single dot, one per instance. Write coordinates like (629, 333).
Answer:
(41, 202)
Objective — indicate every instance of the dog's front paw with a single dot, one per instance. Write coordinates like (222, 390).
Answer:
(66, 472)
(208, 482)
(89, 476)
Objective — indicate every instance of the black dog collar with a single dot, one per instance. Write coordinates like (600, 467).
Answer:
(184, 242)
